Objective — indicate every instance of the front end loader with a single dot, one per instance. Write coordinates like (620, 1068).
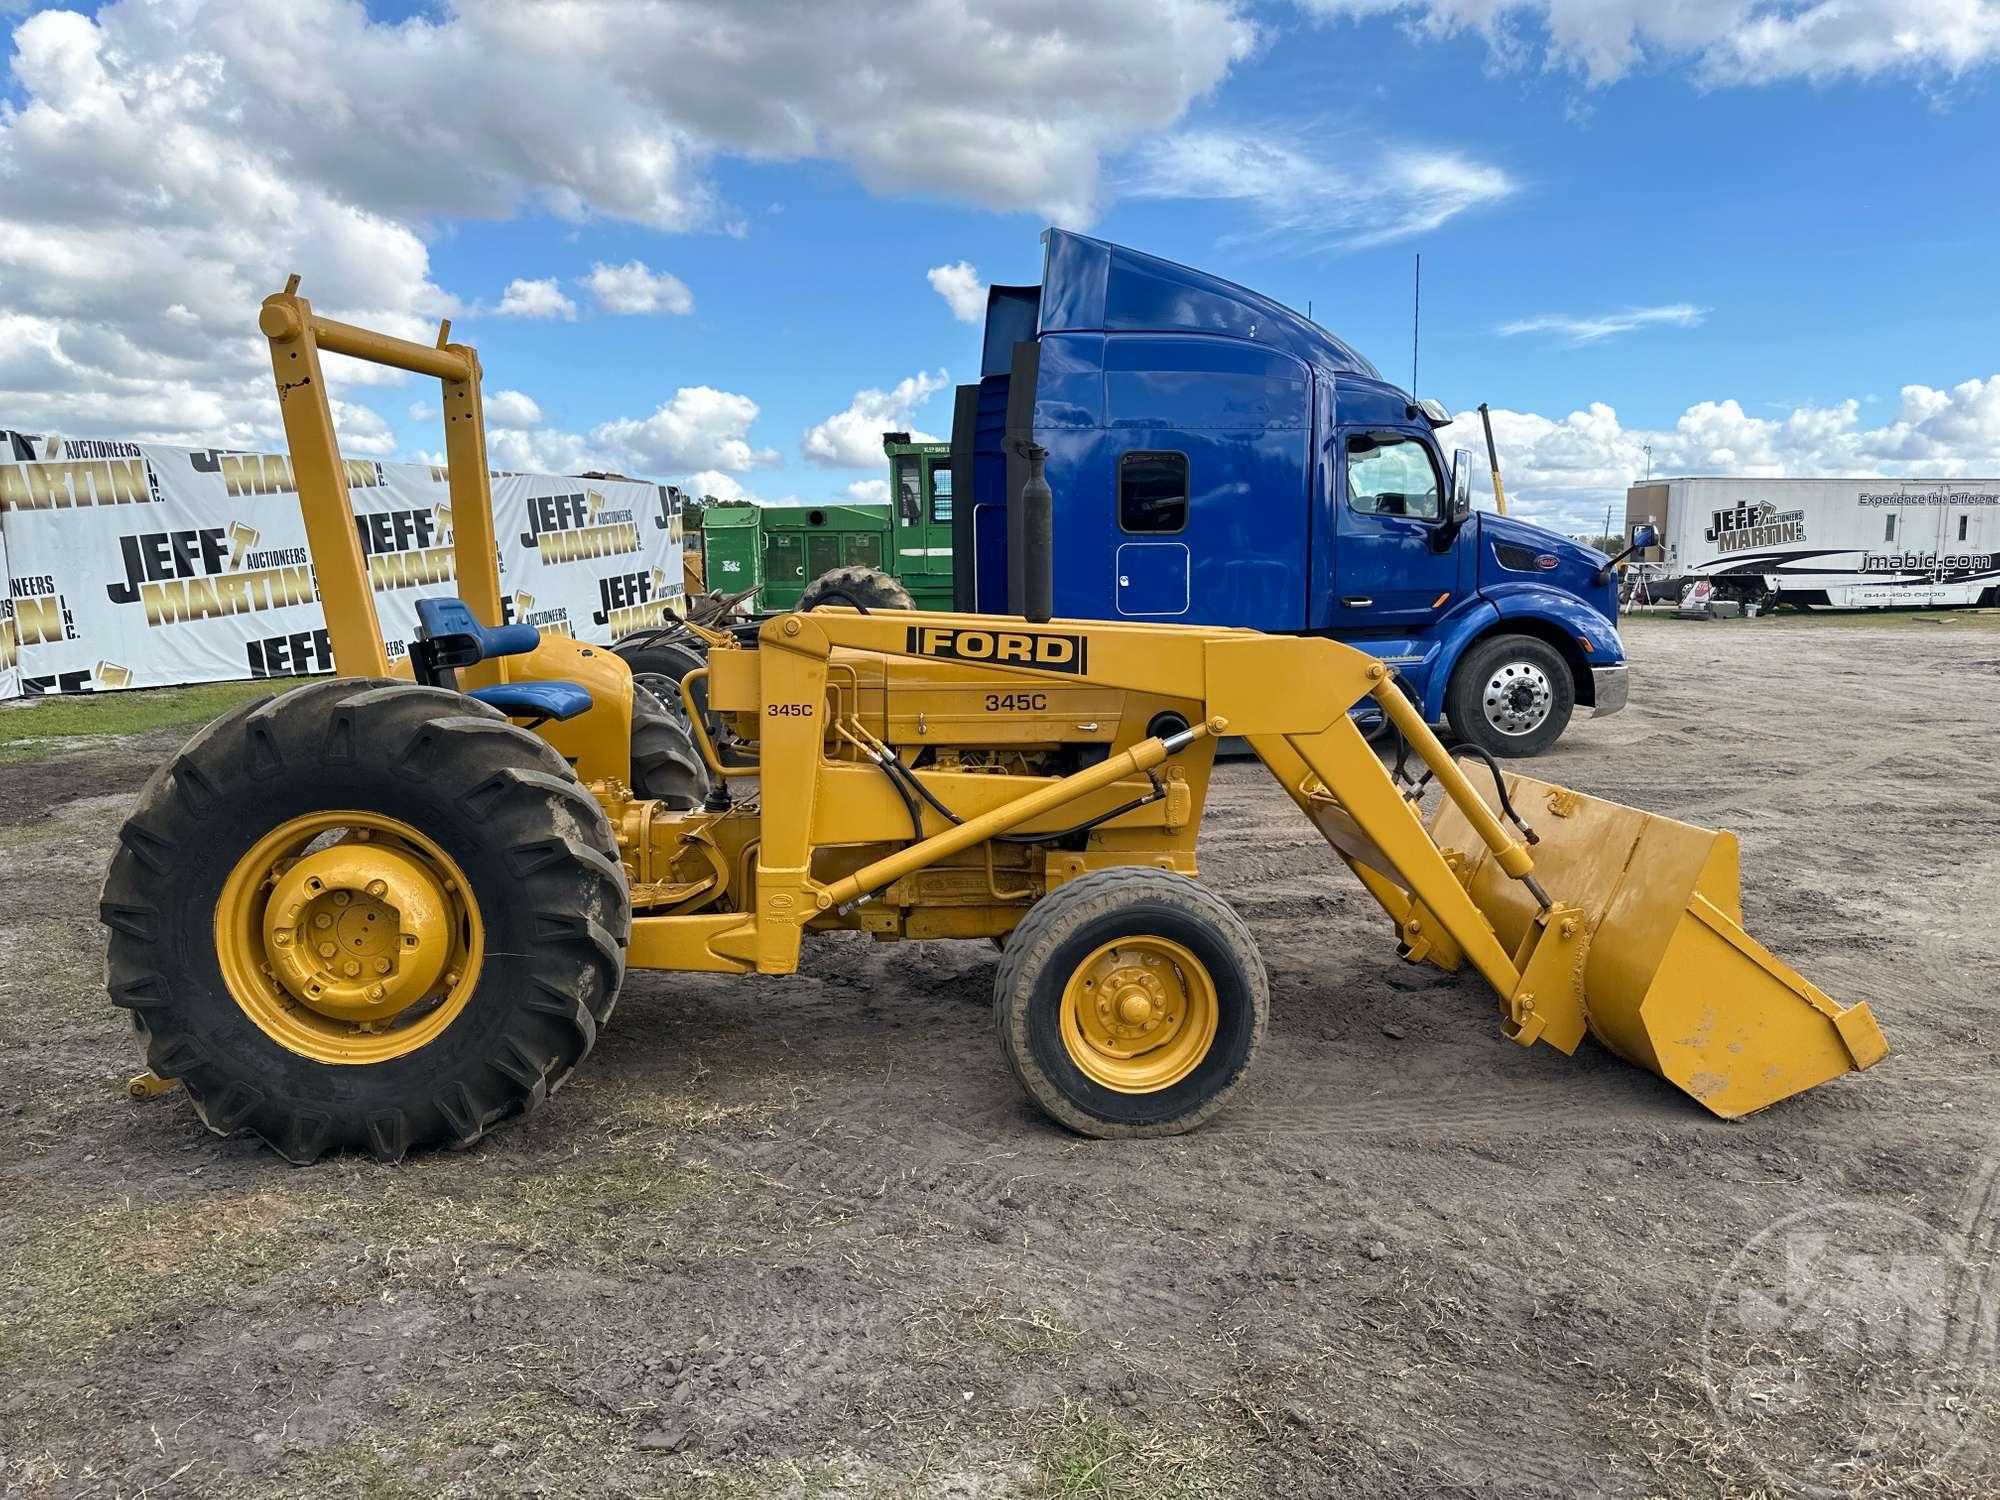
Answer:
(393, 908)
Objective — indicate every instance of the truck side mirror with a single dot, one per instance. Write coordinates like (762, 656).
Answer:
(1459, 509)
(1461, 488)
(1644, 535)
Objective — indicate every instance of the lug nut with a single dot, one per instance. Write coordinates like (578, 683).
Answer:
(341, 898)
(282, 939)
(327, 950)
(381, 966)
(350, 968)
(377, 887)
(323, 920)
(376, 992)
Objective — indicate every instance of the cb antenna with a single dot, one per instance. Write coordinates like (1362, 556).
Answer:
(1416, 323)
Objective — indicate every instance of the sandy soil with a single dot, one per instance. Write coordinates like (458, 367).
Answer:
(805, 1237)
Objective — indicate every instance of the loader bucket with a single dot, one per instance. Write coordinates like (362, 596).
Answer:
(1669, 979)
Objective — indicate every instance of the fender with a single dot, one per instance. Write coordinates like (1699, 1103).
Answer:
(1556, 615)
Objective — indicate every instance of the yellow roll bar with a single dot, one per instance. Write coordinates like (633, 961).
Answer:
(297, 335)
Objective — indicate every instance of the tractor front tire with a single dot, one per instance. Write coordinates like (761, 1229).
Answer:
(1130, 1003)
(365, 914)
(865, 588)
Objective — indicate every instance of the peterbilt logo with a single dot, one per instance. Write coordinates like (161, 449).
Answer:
(1008, 648)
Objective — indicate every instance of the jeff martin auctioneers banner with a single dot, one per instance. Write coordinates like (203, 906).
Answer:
(131, 565)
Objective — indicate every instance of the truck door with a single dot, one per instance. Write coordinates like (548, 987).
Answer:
(1388, 578)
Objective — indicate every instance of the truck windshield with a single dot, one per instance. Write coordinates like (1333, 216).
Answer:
(1388, 475)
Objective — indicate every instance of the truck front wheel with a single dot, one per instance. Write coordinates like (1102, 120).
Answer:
(1511, 695)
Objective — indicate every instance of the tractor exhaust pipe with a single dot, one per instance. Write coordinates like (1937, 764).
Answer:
(1038, 539)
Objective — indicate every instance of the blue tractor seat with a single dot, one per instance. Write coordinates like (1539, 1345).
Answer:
(452, 637)
(448, 619)
(535, 700)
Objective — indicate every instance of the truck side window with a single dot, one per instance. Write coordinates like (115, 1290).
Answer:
(941, 490)
(909, 489)
(1389, 475)
(1153, 491)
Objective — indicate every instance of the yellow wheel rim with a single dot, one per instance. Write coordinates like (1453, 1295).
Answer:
(348, 937)
(1139, 1014)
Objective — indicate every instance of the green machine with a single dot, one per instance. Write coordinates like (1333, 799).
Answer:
(731, 539)
(804, 542)
(920, 488)
(781, 549)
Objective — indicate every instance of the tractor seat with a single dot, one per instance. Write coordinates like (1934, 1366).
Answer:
(452, 637)
(535, 700)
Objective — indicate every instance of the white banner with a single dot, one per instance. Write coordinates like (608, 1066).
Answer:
(131, 565)
(10, 650)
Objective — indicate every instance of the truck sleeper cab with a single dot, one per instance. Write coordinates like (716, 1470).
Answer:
(1218, 459)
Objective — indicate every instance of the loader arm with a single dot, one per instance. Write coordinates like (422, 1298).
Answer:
(1620, 923)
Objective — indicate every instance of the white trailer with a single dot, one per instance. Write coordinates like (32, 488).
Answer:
(1848, 543)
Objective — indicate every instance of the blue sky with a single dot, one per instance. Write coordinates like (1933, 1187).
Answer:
(1760, 207)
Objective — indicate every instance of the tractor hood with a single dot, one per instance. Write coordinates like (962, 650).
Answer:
(1512, 553)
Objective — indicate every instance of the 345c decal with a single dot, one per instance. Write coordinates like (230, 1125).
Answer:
(1018, 703)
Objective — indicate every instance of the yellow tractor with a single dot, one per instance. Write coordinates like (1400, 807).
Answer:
(393, 908)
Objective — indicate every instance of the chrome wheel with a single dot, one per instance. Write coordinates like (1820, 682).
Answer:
(1517, 698)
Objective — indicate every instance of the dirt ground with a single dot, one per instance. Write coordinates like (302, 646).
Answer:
(805, 1237)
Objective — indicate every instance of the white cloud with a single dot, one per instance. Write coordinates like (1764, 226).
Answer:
(422, 411)
(869, 491)
(635, 288)
(163, 163)
(136, 242)
(1608, 325)
(535, 299)
(1725, 41)
(1563, 473)
(547, 450)
(512, 409)
(852, 439)
(700, 428)
(961, 288)
(1403, 190)
(714, 485)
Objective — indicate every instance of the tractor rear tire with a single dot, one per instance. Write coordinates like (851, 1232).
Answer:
(665, 764)
(501, 872)
(866, 588)
(1130, 1003)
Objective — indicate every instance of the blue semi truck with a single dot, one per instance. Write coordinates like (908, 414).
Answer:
(1218, 459)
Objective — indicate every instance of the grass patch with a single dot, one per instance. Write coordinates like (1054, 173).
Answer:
(38, 728)
(1091, 1457)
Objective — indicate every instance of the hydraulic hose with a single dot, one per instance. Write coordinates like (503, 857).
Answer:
(893, 764)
